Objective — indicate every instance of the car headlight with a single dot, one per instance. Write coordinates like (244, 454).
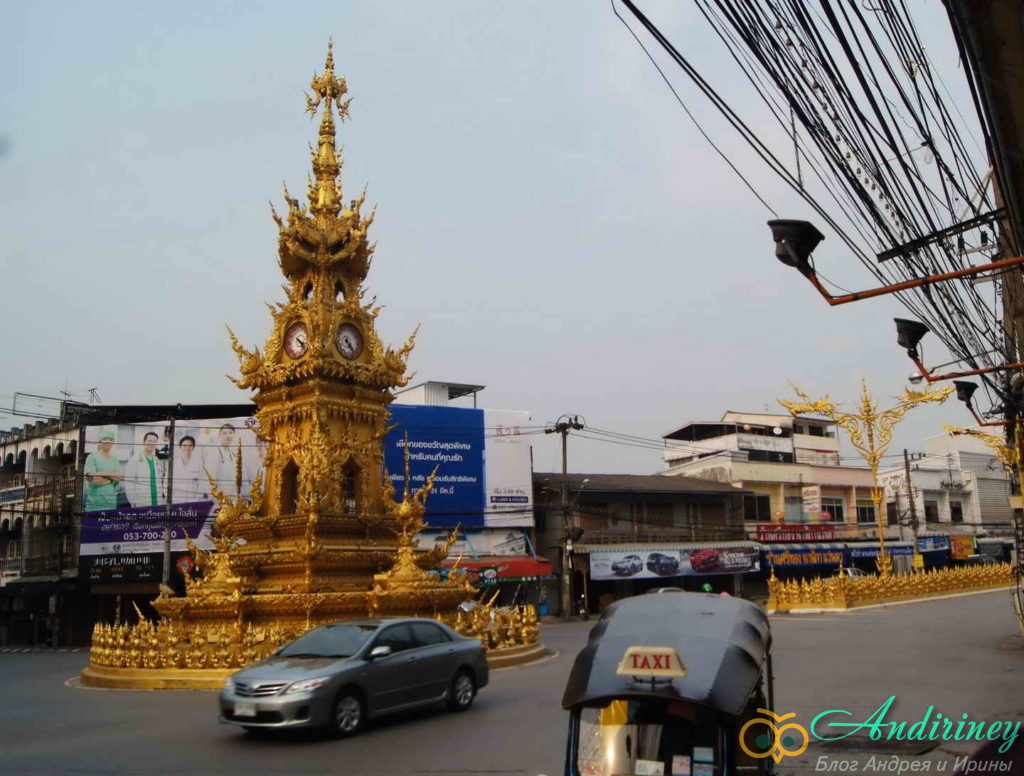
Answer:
(307, 684)
(229, 685)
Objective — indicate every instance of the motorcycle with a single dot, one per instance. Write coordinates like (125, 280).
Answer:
(581, 609)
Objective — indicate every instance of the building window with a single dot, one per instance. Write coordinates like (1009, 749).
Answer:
(866, 511)
(931, 511)
(836, 507)
(891, 513)
(769, 457)
(956, 512)
(757, 509)
(816, 431)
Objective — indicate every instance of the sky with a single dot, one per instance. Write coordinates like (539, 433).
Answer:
(546, 212)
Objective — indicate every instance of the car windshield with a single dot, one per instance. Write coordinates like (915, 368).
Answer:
(648, 736)
(342, 640)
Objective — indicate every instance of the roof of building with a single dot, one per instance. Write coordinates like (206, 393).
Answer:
(455, 390)
(734, 418)
(634, 483)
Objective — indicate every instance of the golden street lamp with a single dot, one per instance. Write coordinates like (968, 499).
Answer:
(870, 430)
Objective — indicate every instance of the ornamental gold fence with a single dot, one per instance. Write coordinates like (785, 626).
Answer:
(843, 592)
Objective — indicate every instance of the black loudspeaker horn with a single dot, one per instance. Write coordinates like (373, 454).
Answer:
(965, 390)
(909, 334)
(795, 241)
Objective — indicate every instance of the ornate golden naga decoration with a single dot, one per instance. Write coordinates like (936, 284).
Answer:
(1006, 454)
(842, 592)
(870, 430)
(319, 537)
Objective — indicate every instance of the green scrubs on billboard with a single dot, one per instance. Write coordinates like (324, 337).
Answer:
(100, 497)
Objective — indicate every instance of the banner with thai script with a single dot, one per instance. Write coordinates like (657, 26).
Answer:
(141, 529)
(872, 552)
(119, 568)
(804, 556)
(768, 532)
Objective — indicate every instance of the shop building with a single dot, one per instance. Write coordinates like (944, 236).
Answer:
(39, 596)
(957, 487)
(776, 459)
(630, 533)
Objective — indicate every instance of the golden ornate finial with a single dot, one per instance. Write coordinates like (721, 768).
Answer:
(1006, 454)
(870, 430)
(324, 191)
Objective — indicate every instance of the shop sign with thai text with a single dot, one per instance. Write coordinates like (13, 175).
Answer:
(766, 532)
(805, 556)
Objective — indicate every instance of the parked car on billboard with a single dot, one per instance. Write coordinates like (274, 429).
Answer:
(627, 566)
(704, 561)
(662, 564)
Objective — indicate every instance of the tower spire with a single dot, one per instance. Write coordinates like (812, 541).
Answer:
(324, 189)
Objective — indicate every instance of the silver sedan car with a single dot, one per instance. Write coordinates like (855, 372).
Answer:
(338, 676)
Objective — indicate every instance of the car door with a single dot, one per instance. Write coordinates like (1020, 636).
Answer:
(391, 680)
(436, 658)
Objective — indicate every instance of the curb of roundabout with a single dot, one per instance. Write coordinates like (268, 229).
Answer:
(112, 678)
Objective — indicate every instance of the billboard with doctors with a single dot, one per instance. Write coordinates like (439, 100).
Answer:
(126, 477)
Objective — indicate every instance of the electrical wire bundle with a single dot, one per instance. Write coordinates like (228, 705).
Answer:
(873, 142)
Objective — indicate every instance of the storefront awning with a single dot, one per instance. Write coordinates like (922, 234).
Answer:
(795, 546)
(656, 546)
(506, 568)
(863, 550)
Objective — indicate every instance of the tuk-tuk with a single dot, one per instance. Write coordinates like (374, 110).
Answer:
(666, 686)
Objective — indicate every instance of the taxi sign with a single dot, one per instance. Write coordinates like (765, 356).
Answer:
(653, 662)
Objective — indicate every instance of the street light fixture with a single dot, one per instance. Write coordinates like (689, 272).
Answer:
(796, 240)
(908, 336)
(964, 392)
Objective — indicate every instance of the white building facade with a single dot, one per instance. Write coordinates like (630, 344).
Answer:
(776, 457)
(958, 486)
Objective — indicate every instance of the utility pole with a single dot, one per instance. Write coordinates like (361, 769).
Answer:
(166, 577)
(910, 498)
(563, 426)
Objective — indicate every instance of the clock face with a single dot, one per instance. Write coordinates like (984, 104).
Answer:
(348, 341)
(296, 341)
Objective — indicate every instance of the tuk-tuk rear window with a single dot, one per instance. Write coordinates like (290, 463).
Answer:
(648, 737)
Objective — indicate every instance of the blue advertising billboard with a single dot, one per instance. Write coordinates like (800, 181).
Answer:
(482, 460)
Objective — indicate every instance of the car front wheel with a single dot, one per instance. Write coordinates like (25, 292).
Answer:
(462, 692)
(347, 715)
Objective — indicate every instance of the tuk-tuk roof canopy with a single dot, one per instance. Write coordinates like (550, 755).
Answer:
(722, 642)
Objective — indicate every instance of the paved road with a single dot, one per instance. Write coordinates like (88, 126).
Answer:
(962, 655)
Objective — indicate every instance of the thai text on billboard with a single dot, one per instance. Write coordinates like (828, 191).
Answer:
(482, 460)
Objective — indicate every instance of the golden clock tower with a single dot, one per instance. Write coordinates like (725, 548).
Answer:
(323, 383)
(322, 535)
